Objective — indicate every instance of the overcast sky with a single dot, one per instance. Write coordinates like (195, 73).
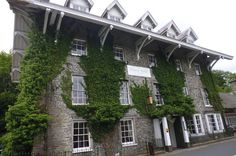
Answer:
(212, 20)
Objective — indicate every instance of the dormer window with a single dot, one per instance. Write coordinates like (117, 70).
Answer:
(146, 22)
(80, 5)
(146, 27)
(114, 12)
(188, 36)
(170, 30)
(114, 18)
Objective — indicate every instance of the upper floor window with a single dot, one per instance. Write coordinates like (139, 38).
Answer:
(205, 97)
(78, 47)
(195, 125)
(214, 123)
(178, 65)
(119, 54)
(127, 132)
(197, 69)
(114, 18)
(81, 137)
(124, 93)
(185, 91)
(158, 98)
(152, 60)
(79, 7)
(78, 91)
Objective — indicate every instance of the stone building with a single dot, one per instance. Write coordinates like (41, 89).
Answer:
(136, 45)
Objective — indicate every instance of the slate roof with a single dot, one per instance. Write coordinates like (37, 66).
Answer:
(229, 100)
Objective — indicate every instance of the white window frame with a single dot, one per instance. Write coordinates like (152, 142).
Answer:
(219, 129)
(121, 92)
(79, 7)
(178, 65)
(79, 52)
(196, 128)
(205, 98)
(152, 63)
(196, 125)
(197, 68)
(72, 95)
(114, 18)
(132, 143)
(81, 149)
(146, 27)
(158, 93)
(119, 51)
(185, 91)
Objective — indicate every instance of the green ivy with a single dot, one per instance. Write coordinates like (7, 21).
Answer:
(43, 60)
(170, 83)
(209, 83)
(103, 80)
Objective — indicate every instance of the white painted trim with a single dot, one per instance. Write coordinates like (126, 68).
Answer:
(85, 149)
(133, 143)
(121, 26)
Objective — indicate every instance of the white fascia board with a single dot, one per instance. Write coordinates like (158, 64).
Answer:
(124, 27)
(115, 2)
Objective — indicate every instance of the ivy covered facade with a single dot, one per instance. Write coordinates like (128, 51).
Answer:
(116, 87)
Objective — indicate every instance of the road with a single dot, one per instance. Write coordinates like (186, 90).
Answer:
(224, 148)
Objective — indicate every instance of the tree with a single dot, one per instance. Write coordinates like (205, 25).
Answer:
(8, 91)
(222, 79)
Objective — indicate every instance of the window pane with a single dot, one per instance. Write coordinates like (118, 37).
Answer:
(81, 135)
(127, 131)
(124, 93)
(78, 90)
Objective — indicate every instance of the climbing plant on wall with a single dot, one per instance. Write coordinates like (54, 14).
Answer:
(209, 84)
(103, 80)
(42, 61)
(170, 83)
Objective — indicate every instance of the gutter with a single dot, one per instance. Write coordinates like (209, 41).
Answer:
(120, 26)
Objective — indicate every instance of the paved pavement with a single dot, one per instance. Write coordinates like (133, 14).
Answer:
(224, 148)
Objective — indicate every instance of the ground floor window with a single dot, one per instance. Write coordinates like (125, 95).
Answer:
(195, 125)
(81, 137)
(214, 123)
(127, 131)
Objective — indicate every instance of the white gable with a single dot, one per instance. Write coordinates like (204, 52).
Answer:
(188, 36)
(81, 5)
(170, 30)
(114, 11)
(146, 22)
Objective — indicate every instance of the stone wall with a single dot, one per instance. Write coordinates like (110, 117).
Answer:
(60, 131)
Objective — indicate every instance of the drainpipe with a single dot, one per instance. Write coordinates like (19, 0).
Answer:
(185, 132)
(166, 132)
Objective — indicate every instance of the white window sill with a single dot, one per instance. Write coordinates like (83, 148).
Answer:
(81, 150)
(197, 135)
(208, 106)
(79, 104)
(125, 104)
(129, 144)
(215, 132)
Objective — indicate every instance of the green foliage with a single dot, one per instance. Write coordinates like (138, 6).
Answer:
(104, 75)
(8, 91)
(209, 83)
(222, 79)
(43, 60)
(170, 83)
